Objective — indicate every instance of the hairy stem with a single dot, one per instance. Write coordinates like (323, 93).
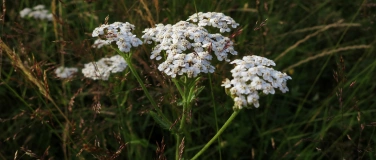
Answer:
(186, 93)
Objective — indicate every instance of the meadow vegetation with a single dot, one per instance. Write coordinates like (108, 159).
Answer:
(326, 47)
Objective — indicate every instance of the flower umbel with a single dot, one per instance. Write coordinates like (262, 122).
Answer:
(187, 47)
(37, 12)
(251, 75)
(118, 32)
(104, 67)
(65, 72)
(217, 20)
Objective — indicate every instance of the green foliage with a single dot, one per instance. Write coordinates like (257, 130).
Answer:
(327, 114)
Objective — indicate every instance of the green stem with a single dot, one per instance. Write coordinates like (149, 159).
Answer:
(186, 93)
(135, 74)
(190, 97)
(185, 106)
(177, 136)
(184, 96)
(128, 59)
(223, 128)
(215, 112)
(178, 87)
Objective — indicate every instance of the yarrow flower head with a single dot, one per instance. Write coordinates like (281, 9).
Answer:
(104, 67)
(65, 72)
(37, 12)
(217, 20)
(118, 32)
(252, 75)
(187, 48)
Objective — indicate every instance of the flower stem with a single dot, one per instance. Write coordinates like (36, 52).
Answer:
(186, 104)
(128, 59)
(177, 136)
(186, 94)
(223, 128)
(215, 112)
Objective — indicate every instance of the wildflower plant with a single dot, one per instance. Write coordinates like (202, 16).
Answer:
(252, 75)
(120, 34)
(186, 53)
(186, 50)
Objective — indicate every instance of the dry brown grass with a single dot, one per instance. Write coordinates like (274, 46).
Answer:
(325, 53)
(339, 25)
(322, 29)
(148, 16)
(41, 85)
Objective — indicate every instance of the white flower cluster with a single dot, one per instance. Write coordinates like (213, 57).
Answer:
(250, 75)
(37, 12)
(99, 43)
(176, 40)
(217, 20)
(104, 67)
(65, 72)
(118, 32)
